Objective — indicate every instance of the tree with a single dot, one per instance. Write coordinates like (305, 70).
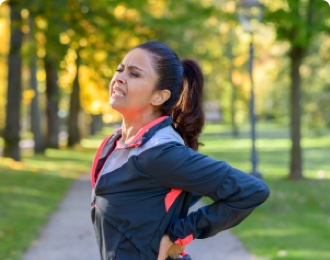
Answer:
(297, 22)
(53, 12)
(14, 92)
(38, 137)
(73, 126)
(53, 96)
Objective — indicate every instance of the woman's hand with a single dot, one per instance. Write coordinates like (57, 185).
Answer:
(168, 249)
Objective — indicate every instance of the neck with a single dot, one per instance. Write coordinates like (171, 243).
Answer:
(131, 125)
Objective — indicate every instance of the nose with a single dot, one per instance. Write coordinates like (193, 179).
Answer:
(119, 77)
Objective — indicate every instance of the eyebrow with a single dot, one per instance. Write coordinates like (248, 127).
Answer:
(131, 67)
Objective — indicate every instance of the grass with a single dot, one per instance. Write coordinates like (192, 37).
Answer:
(294, 223)
(31, 190)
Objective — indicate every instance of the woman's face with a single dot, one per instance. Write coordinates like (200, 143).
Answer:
(133, 86)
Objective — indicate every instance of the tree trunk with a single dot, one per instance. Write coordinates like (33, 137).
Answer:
(52, 93)
(73, 126)
(96, 124)
(14, 93)
(296, 58)
(39, 140)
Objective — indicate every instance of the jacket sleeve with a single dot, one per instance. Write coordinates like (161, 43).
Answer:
(235, 193)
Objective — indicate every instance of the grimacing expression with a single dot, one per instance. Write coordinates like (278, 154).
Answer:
(132, 89)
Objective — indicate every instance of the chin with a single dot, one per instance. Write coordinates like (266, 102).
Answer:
(116, 107)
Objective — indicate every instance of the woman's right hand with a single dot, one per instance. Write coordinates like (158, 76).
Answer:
(168, 249)
(175, 251)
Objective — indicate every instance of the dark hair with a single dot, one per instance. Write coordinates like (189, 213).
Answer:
(184, 79)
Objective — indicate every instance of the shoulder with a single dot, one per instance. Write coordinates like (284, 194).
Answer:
(163, 136)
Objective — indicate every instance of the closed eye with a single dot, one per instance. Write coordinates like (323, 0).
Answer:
(135, 74)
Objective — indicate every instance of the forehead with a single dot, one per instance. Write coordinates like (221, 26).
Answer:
(139, 58)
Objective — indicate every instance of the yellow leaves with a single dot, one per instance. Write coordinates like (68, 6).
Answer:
(94, 94)
(83, 42)
(207, 68)
(12, 164)
(133, 41)
(239, 61)
(25, 13)
(323, 73)
(100, 56)
(25, 29)
(157, 8)
(64, 38)
(4, 49)
(41, 41)
(324, 47)
(229, 6)
(40, 37)
(25, 16)
(96, 107)
(131, 14)
(41, 75)
(41, 53)
(207, 3)
(120, 11)
(68, 75)
(238, 78)
(212, 21)
(276, 5)
(28, 95)
(126, 39)
(305, 70)
(4, 33)
(123, 13)
(41, 22)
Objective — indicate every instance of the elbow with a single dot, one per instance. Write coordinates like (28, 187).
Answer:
(263, 193)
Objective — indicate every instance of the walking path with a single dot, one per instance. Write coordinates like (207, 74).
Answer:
(69, 234)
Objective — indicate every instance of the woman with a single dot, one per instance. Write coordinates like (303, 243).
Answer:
(144, 174)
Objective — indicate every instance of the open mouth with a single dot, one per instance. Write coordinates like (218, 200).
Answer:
(118, 92)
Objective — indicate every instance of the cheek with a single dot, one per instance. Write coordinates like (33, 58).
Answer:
(110, 85)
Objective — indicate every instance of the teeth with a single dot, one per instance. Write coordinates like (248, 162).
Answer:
(118, 93)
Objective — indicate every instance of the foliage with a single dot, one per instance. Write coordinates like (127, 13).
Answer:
(206, 30)
(312, 19)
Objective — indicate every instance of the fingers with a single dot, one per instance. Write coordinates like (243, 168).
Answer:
(165, 245)
(168, 248)
(175, 251)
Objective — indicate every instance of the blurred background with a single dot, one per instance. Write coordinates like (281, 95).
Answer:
(267, 98)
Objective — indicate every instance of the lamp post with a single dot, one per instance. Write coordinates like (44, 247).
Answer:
(249, 13)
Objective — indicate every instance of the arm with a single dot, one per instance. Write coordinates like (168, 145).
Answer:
(234, 192)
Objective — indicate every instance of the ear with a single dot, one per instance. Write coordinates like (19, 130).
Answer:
(160, 96)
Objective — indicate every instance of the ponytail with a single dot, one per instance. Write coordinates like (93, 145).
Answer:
(188, 114)
(184, 79)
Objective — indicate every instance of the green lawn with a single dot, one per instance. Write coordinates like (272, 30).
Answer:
(294, 223)
(31, 190)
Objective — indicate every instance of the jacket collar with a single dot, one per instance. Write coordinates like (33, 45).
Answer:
(146, 132)
(109, 143)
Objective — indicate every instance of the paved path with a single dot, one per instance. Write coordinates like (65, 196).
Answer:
(69, 234)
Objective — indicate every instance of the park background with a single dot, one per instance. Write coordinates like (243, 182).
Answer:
(56, 61)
